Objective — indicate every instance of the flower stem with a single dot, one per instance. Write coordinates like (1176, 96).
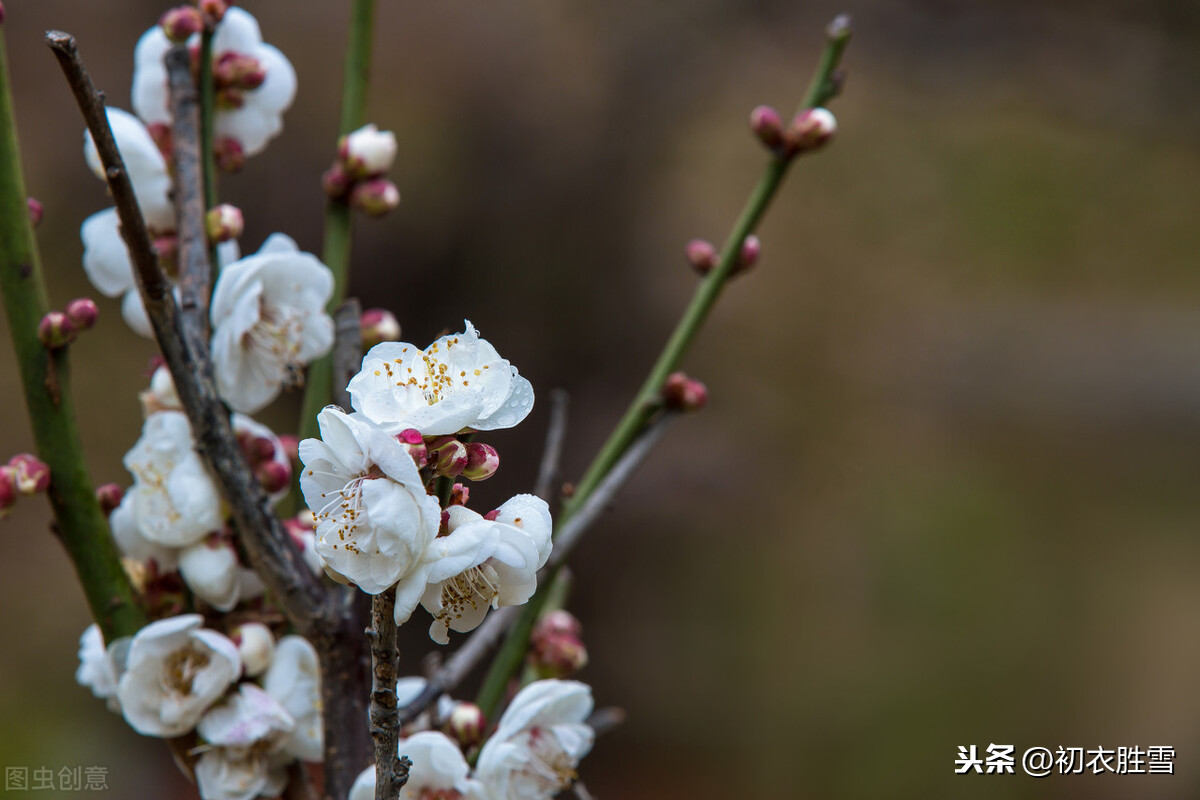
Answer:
(647, 402)
(79, 522)
(319, 389)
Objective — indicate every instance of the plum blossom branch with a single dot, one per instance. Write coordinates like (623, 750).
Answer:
(391, 772)
(347, 346)
(45, 377)
(556, 434)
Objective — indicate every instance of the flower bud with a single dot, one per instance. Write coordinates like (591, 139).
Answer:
(273, 476)
(82, 312)
(1, 13)
(223, 222)
(336, 183)
(160, 132)
(492, 515)
(214, 10)
(558, 622)
(448, 455)
(167, 249)
(367, 151)
(767, 126)
(255, 645)
(109, 496)
(701, 255)
(290, 445)
(238, 71)
(414, 443)
(459, 494)
(35, 211)
(180, 23)
(482, 462)
(466, 724)
(809, 130)
(375, 197)
(556, 646)
(8, 490)
(378, 325)
(748, 257)
(230, 154)
(30, 474)
(681, 393)
(56, 330)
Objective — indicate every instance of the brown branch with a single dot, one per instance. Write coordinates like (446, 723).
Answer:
(391, 773)
(552, 454)
(347, 347)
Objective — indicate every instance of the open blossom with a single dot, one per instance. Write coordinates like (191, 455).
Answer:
(294, 681)
(269, 321)
(538, 742)
(458, 382)
(482, 563)
(374, 518)
(242, 759)
(96, 668)
(438, 771)
(173, 500)
(175, 670)
(255, 83)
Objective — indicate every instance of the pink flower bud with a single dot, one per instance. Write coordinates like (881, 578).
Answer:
(410, 436)
(809, 131)
(35, 211)
(160, 132)
(701, 255)
(290, 445)
(8, 490)
(82, 312)
(109, 496)
(414, 443)
(492, 515)
(255, 645)
(273, 476)
(231, 156)
(459, 495)
(378, 325)
(180, 23)
(214, 10)
(367, 152)
(167, 248)
(482, 462)
(30, 473)
(56, 330)
(224, 222)
(336, 183)
(1, 13)
(767, 126)
(556, 646)
(751, 249)
(558, 622)
(448, 455)
(466, 724)
(681, 393)
(375, 197)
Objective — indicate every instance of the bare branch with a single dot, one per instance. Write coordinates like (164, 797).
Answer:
(391, 772)
(347, 347)
(552, 454)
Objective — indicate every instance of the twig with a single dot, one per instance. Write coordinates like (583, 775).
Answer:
(195, 271)
(390, 772)
(556, 434)
(347, 347)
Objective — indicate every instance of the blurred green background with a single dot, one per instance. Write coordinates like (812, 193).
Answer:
(945, 489)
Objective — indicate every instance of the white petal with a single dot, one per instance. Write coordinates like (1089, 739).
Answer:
(105, 258)
(149, 94)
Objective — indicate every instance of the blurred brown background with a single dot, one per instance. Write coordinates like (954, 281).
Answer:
(945, 490)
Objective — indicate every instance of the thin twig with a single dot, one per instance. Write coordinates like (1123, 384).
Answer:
(347, 347)
(606, 720)
(195, 271)
(556, 434)
(390, 772)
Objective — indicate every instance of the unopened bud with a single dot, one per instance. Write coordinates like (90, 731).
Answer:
(255, 645)
(230, 154)
(810, 130)
(180, 23)
(482, 462)
(273, 476)
(459, 495)
(367, 152)
(492, 515)
(56, 330)
(290, 445)
(448, 455)
(1, 13)
(701, 255)
(30, 474)
(167, 249)
(8, 490)
(556, 646)
(160, 132)
(214, 10)
(558, 622)
(336, 183)
(681, 393)
(767, 126)
(109, 496)
(224, 222)
(748, 257)
(466, 724)
(35, 211)
(82, 312)
(375, 197)
(378, 325)
(239, 71)
(839, 28)
(414, 443)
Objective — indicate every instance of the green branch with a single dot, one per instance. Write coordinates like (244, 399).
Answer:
(79, 522)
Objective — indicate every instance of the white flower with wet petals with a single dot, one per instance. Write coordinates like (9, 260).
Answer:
(459, 382)
(175, 670)
(374, 518)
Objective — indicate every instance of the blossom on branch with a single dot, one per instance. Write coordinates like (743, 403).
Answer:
(245, 735)
(97, 670)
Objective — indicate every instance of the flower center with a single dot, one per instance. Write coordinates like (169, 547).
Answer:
(346, 507)
(476, 587)
(180, 669)
(548, 766)
(276, 340)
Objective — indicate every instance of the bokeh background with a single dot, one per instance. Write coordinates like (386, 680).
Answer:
(945, 490)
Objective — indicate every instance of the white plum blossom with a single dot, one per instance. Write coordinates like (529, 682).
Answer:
(248, 113)
(368, 151)
(173, 500)
(438, 771)
(245, 735)
(175, 670)
(269, 321)
(457, 383)
(538, 742)
(210, 569)
(133, 545)
(481, 563)
(97, 670)
(294, 681)
(374, 517)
